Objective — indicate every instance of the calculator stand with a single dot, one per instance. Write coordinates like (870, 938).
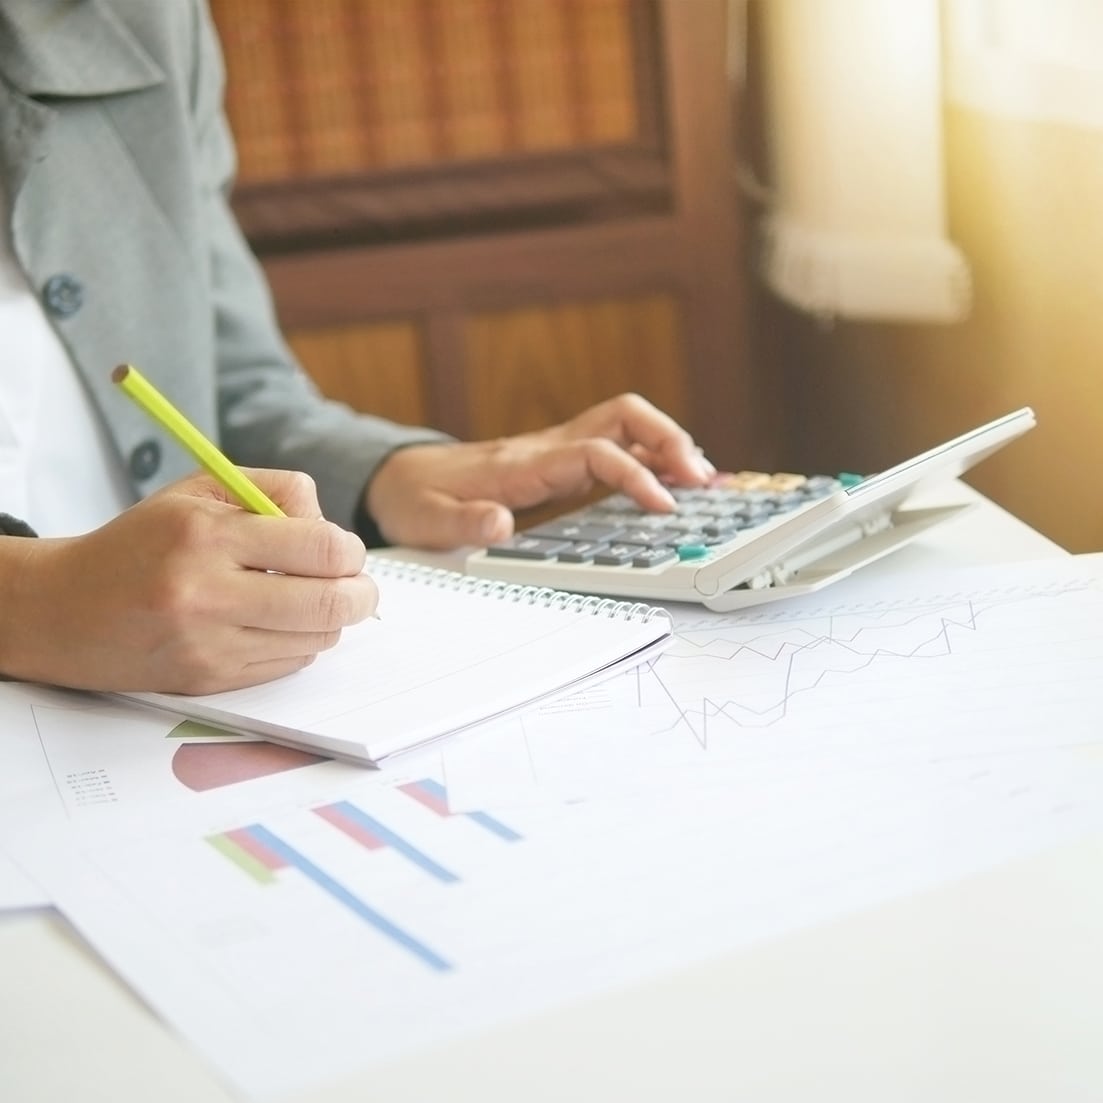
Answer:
(796, 577)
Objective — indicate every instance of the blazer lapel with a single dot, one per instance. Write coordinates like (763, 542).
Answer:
(62, 48)
(59, 48)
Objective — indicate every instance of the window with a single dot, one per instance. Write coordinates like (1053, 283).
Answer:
(856, 225)
(1027, 59)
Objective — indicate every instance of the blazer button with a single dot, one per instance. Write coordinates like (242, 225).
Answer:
(145, 460)
(63, 295)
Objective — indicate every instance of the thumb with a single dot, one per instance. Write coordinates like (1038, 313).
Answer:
(451, 524)
(294, 491)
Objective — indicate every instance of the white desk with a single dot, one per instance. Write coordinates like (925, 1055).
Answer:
(989, 989)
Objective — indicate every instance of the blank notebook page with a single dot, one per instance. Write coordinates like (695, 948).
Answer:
(450, 651)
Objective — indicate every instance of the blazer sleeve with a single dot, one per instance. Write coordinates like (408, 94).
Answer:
(270, 412)
(13, 526)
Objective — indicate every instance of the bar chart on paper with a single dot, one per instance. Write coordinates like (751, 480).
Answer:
(264, 855)
(363, 903)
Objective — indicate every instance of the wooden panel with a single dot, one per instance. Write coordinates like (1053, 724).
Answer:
(338, 86)
(433, 204)
(483, 273)
(384, 121)
(521, 321)
(532, 367)
(374, 368)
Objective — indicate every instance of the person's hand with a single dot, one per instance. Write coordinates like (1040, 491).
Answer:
(447, 495)
(185, 592)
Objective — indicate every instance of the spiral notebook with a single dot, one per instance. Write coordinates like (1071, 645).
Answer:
(451, 651)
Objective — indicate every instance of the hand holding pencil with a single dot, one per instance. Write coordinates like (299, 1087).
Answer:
(187, 591)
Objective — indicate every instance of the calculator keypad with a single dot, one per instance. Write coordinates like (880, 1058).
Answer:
(615, 532)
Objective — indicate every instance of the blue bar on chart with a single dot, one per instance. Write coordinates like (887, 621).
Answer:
(261, 854)
(434, 796)
(373, 834)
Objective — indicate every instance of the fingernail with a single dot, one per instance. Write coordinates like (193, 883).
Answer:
(489, 528)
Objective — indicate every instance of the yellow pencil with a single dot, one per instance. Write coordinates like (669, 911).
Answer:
(146, 395)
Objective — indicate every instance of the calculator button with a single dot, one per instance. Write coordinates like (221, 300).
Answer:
(649, 521)
(818, 486)
(582, 551)
(617, 504)
(675, 526)
(757, 516)
(723, 526)
(784, 481)
(718, 509)
(757, 519)
(685, 539)
(617, 532)
(617, 555)
(742, 480)
(691, 522)
(653, 557)
(575, 531)
(692, 551)
(684, 493)
(789, 500)
(644, 537)
(527, 547)
(754, 498)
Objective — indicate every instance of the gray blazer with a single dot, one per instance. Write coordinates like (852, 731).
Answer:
(117, 162)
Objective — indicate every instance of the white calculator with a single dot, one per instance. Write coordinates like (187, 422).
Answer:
(748, 537)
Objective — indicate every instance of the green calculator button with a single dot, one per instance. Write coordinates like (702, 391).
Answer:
(849, 479)
(692, 551)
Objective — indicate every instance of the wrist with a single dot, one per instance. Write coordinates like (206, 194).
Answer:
(16, 554)
(25, 633)
(385, 485)
(363, 524)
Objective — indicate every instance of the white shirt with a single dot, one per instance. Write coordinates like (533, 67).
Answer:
(58, 469)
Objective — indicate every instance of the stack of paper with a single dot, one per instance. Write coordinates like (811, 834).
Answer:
(297, 919)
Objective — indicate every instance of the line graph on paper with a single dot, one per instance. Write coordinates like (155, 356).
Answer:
(751, 677)
(754, 673)
(961, 668)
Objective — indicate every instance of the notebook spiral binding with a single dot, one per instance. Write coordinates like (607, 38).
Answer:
(444, 578)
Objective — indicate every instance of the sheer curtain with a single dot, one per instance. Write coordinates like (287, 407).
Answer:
(855, 220)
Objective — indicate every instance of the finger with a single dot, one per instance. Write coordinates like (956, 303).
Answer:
(260, 645)
(567, 469)
(252, 674)
(293, 491)
(622, 471)
(295, 546)
(656, 463)
(256, 674)
(258, 599)
(631, 420)
(245, 656)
